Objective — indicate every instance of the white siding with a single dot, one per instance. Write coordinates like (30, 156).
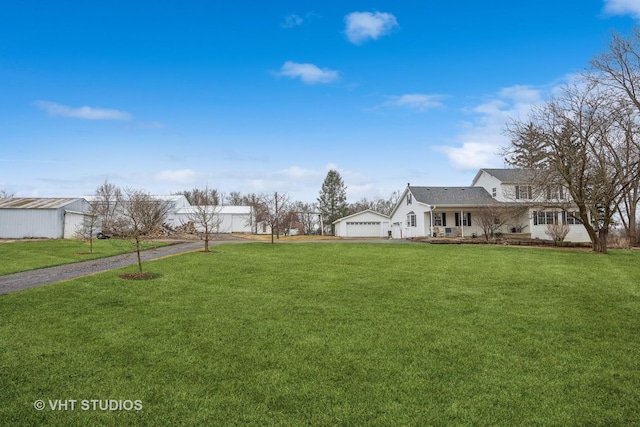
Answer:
(362, 224)
(489, 182)
(399, 226)
(24, 223)
(31, 223)
(230, 219)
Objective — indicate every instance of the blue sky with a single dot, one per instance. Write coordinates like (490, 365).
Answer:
(257, 96)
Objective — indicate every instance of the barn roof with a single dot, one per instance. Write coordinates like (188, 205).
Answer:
(35, 203)
(453, 196)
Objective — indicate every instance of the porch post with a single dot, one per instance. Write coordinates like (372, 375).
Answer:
(431, 222)
(462, 222)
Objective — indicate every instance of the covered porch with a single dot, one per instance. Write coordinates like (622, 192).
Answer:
(471, 222)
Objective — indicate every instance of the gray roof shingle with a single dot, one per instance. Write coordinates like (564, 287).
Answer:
(512, 176)
(453, 196)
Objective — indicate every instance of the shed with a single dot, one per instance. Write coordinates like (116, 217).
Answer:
(53, 218)
(367, 223)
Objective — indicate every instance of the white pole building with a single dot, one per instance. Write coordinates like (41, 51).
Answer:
(53, 218)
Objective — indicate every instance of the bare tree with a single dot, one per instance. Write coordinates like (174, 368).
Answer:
(377, 204)
(495, 216)
(308, 215)
(4, 194)
(557, 230)
(205, 213)
(196, 196)
(271, 210)
(619, 70)
(235, 198)
(141, 214)
(574, 140)
(105, 206)
(85, 230)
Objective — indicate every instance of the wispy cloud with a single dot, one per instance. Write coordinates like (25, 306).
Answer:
(308, 73)
(481, 141)
(361, 26)
(87, 113)
(622, 7)
(415, 101)
(292, 21)
(180, 176)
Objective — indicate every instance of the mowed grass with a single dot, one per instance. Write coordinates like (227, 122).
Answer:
(32, 254)
(334, 334)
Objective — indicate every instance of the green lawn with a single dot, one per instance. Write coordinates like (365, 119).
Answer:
(31, 254)
(334, 334)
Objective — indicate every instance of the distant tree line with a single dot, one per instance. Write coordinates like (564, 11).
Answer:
(136, 214)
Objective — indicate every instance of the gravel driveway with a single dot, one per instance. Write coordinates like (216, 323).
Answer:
(45, 276)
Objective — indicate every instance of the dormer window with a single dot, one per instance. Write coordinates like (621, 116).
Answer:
(494, 192)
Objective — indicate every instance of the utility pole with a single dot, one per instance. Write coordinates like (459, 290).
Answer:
(277, 219)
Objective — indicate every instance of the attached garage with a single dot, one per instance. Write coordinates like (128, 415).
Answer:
(363, 224)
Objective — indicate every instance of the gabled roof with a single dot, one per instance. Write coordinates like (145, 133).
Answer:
(507, 176)
(36, 203)
(452, 196)
(360, 213)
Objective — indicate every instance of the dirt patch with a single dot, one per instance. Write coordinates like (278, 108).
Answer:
(138, 276)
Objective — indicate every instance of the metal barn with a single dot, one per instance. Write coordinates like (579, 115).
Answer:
(53, 218)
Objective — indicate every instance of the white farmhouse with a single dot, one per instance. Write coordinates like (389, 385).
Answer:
(424, 211)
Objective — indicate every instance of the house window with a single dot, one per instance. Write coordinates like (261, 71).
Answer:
(494, 192)
(466, 219)
(523, 192)
(571, 218)
(555, 192)
(409, 199)
(545, 217)
(411, 219)
(438, 219)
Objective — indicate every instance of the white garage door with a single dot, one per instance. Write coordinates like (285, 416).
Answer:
(363, 229)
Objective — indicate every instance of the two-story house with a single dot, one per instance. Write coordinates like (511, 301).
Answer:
(459, 211)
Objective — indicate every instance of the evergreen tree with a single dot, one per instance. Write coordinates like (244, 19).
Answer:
(333, 199)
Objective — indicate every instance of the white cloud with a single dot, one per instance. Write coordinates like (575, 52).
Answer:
(481, 142)
(361, 26)
(622, 7)
(308, 73)
(415, 101)
(179, 176)
(88, 113)
(292, 21)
